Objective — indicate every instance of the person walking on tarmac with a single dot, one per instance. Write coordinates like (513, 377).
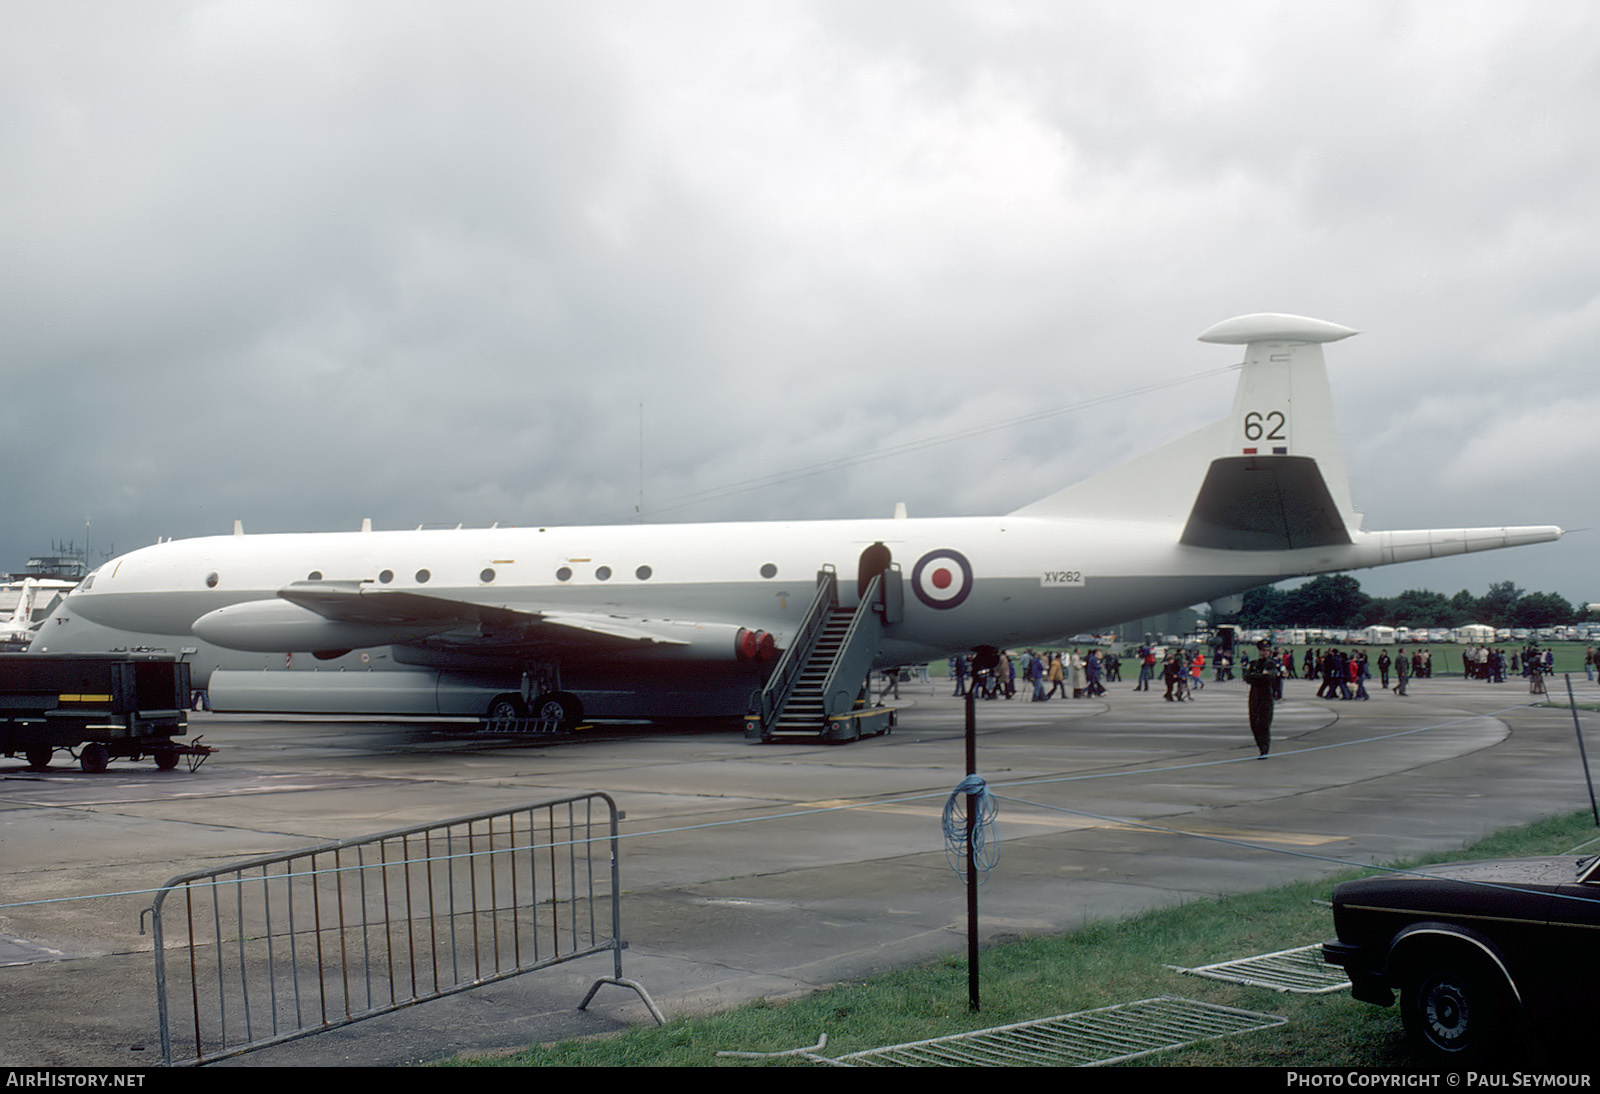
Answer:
(1261, 674)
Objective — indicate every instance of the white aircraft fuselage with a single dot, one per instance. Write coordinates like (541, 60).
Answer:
(1033, 579)
(1252, 499)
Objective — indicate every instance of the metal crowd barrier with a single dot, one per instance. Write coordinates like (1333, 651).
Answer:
(279, 947)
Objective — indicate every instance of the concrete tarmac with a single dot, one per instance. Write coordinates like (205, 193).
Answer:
(760, 871)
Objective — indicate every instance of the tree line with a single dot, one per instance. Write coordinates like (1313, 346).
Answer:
(1337, 601)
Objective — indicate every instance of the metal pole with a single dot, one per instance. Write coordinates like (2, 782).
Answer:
(1582, 755)
(972, 863)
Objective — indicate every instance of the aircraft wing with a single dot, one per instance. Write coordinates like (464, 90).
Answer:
(360, 603)
(364, 612)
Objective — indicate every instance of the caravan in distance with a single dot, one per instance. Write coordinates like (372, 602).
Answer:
(683, 619)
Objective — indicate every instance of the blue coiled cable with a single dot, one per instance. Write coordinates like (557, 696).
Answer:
(985, 840)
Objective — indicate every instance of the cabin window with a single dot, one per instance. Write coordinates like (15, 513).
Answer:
(564, 574)
(642, 573)
(314, 575)
(769, 570)
(386, 577)
(211, 580)
(423, 576)
(603, 573)
(487, 575)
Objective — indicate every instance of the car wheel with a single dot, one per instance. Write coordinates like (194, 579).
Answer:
(1455, 1010)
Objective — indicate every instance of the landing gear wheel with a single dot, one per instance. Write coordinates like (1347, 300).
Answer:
(561, 707)
(1455, 1012)
(94, 758)
(39, 757)
(505, 707)
(166, 757)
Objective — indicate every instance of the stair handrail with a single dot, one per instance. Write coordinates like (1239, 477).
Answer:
(849, 659)
(786, 673)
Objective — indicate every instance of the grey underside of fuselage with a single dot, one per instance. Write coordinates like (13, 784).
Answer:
(383, 687)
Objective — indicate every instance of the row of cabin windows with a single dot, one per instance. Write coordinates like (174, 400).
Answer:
(603, 573)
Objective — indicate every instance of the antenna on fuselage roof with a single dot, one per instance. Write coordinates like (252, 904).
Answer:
(366, 524)
(638, 510)
(238, 527)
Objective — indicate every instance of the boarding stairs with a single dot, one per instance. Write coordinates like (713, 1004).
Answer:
(820, 687)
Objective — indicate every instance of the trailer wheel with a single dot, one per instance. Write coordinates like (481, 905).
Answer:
(94, 758)
(166, 757)
(39, 757)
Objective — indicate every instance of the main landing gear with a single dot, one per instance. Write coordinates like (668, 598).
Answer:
(558, 709)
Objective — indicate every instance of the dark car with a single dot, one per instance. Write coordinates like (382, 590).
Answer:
(1487, 957)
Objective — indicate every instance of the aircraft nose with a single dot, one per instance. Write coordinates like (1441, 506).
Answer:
(121, 595)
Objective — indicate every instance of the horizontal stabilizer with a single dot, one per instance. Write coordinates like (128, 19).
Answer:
(1411, 546)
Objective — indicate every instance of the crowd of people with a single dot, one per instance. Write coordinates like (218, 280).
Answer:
(1049, 674)
(1076, 674)
(1341, 674)
(1491, 664)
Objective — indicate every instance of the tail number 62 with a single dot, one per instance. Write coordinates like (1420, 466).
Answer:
(1268, 426)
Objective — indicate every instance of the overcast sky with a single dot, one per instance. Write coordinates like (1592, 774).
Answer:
(303, 263)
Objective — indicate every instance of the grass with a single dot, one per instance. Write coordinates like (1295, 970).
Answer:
(1101, 964)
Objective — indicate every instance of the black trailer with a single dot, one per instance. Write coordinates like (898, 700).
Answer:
(128, 705)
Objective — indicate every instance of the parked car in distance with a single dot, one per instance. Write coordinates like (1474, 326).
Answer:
(1487, 957)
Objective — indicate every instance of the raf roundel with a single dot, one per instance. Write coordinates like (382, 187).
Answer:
(942, 579)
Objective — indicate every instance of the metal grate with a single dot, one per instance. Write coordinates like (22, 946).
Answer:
(1299, 970)
(1088, 1038)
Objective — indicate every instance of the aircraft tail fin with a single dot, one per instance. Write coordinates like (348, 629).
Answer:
(1270, 476)
(1282, 483)
(23, 614)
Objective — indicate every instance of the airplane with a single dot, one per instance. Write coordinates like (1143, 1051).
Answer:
(665, 619)
(17, 632)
